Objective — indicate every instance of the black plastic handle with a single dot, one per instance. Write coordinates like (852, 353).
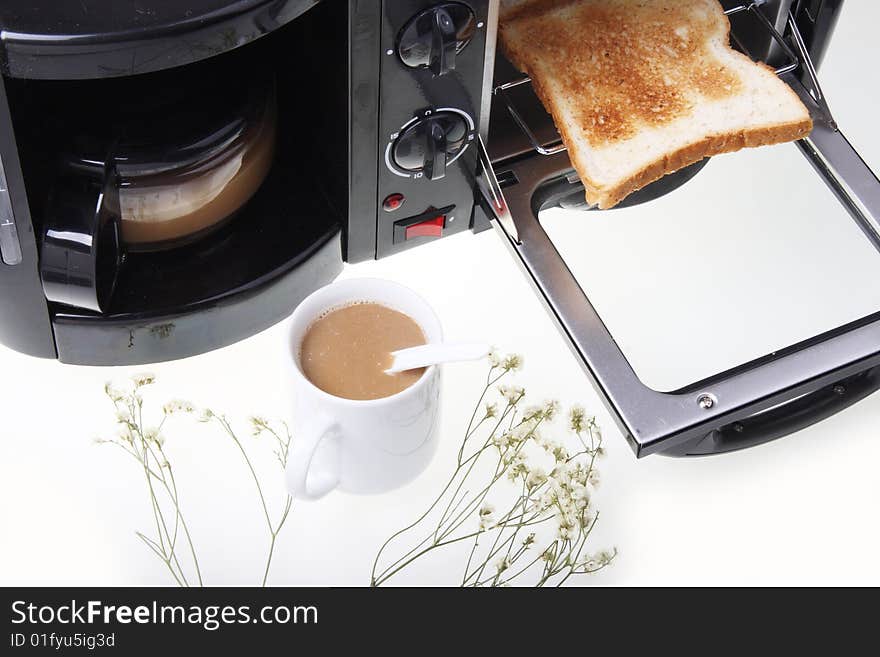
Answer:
(785, 419)
(80, 253)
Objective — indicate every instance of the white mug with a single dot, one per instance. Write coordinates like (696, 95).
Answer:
(360, 446)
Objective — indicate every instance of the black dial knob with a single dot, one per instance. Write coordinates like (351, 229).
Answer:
(433, 38)
(430, 143)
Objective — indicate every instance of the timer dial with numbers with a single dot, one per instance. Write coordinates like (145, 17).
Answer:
(428, 144)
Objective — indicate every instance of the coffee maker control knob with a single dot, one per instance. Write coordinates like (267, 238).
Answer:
(432, 141)
(433, 38)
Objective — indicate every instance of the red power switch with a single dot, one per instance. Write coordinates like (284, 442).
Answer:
(430, 228)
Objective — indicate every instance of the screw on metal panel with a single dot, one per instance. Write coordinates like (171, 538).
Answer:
(738, 427)
(839, 389)
(706, 401)
(389, 52)
(480, 24)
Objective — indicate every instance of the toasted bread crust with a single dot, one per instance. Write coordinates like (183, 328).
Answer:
(712, 145)
(521, 52)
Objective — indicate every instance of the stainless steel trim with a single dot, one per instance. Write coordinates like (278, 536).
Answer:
(816, 89)
(832, 156)
(490, 188)
(655, 421)
(846, 173)
(491, 28)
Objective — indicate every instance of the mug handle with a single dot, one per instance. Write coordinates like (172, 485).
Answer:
(304, 481)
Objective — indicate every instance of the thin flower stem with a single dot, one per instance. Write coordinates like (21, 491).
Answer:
(386, 577)
(146, 448)
(523, 501)
(499, 472)
(470, 428)
(186, 533)
(473, 461)
(273, 533)
(467, 566)
(157, 512)
(172, 541)
(495, 549)
(150, 544)
(253, 472)
(136, 411)
(522, 570)
(274, 537)
(373, 577)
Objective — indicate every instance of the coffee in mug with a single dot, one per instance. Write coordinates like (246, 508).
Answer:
(346, 351)
(361, 446)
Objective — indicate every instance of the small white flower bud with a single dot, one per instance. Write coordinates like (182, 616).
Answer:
(512, 363)
(178, 406)
(143, 379)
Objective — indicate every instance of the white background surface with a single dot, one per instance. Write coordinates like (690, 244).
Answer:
(801, 510)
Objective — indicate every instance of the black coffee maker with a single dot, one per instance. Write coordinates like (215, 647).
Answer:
(175, 176)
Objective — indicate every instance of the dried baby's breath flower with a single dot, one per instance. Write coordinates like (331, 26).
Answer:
(536, 477)
(560, 454)
(577, 419)
(512, 363)
(599, 560)
(152, 435)
(550, 408)
(517, 467)
(494, 358)
(501, 440)
(178, 406)
(593, 478)
(144, 444)
(258, 424)
(586, 519)
(532, 414)
(114, 393)
(566, 532)
(557, 506)
(486, 519)
(556, 449)
(607, 556)
(511, 393)
(579, 493)
(123, 434)
(547, 500)
(143, 379)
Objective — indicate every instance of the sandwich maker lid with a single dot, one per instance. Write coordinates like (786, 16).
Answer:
(47, 39)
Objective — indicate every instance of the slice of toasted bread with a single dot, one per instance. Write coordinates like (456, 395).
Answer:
(642, 88)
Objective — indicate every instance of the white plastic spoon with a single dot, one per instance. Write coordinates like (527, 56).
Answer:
(433, 354)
